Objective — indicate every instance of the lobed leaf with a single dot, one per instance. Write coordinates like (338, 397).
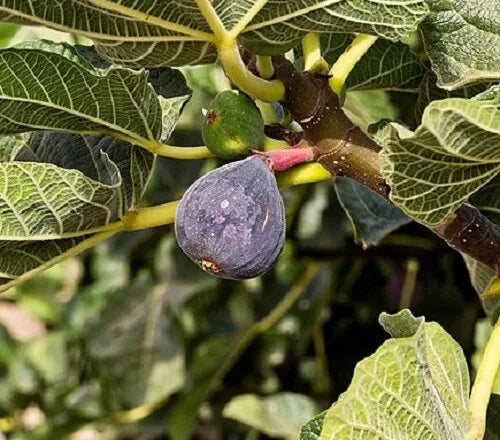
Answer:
(59, 189)
(415, 385)
(451, 155)
(48, 86)
(428, 91)
(371, 215)
(462, 39)
(149, 33)
(386, 65)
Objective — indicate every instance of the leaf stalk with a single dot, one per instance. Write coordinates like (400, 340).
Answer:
(481, 390)
(238, 73)
(346, 62)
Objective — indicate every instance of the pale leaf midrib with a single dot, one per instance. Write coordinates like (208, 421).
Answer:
(99, 36)
(145, 18)
(131, 136)
(304, 11)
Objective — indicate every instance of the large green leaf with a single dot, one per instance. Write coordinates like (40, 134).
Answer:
(58, 178)
(428, 91)
(414, 386)
(136, 346)
(488, 200)
(487, 286)
(47, 86)
(386, 65)
(462, 38)
(451, 155)
(371, 215)
(62, 186)
(279, 415)
(151, 33)
(312, 429)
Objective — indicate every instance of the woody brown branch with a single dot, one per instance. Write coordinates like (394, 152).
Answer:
(344, 150)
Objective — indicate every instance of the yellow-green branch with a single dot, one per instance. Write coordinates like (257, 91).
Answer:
(311, 48)
(162, 215)
(346, 62)
(238, 73)
(483, 384)
(301, 174)
(78, 249)
(184, 153)
(213, 20)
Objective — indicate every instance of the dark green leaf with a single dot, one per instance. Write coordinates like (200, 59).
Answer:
(372, 216)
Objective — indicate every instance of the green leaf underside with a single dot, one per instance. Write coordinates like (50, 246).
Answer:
(412, 387)
(60, 188)
(451, 155)
(482, 278)
(136, 346)
(168, 33)
(487, 199)
(428, 91)
(278, 415)
(371, 215)
(47, 86)
(20, 257)
(386, 65)
(312, 429)
(59, 185)
(462, 39)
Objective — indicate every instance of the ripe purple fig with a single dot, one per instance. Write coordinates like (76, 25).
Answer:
(231, 222)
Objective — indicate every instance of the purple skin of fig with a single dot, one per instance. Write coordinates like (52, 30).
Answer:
(231, 222)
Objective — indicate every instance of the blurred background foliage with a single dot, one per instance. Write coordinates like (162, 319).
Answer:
(132, 341)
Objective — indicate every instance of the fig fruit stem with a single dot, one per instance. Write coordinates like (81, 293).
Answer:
(343, 149)
(311, 48)
(346, 62)
(240, 75)
(284, 159)
(483, 384)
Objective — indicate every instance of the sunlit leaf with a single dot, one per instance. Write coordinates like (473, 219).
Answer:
(415, 385)
(171, 33)
(451, 155)
(386, 65)
(47, 86)
(462, 39)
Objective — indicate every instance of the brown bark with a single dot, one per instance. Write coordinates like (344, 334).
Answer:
(343, 149)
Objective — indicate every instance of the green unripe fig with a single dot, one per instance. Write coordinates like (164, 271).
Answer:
(233, 125)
